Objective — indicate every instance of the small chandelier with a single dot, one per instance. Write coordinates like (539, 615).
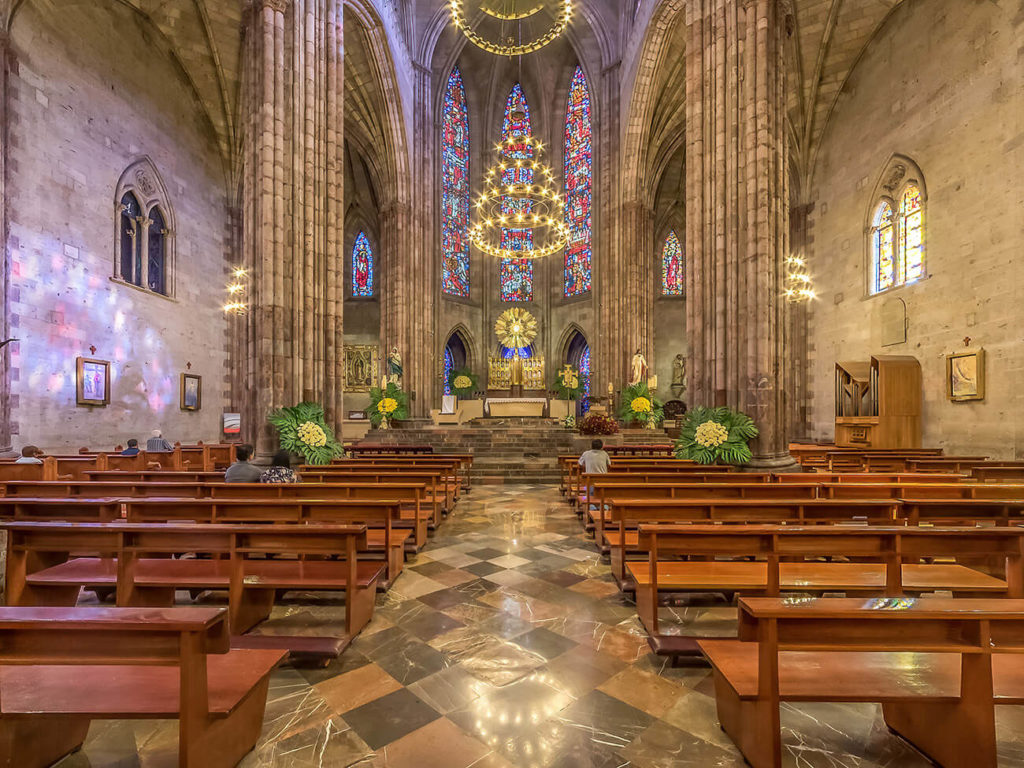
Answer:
(236, 304)
(520, 195)
(798, 281)
(510, 46)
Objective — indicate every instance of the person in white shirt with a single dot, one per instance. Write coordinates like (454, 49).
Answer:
(157, 444)
(596, 461)
(31, 454)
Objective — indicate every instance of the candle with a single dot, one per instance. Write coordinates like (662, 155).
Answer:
(611, 388)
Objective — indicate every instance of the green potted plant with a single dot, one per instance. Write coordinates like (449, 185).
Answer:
(462, 383)
(711, 435)
(639, 406)
(303, 429)
(387, 404)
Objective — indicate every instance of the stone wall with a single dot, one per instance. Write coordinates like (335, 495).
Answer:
(942, 87)
(92, 90)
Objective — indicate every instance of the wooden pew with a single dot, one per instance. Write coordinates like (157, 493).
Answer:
(998, 472)
(643, 464)
(866, 477)
(627, 516)
(460, 464)
(60, 508)
(49, 563)
(379, 449)
(588, 482)
(888, 562)
(664, 450)
(64, 667)
(961, 465)
(937, 666)
(961, 511)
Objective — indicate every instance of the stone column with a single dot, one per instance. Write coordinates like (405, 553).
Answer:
(737, 211)
(608, 357)
(292, 209)
(5, 326)
(636, 295)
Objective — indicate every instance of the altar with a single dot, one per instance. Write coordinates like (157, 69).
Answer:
(519, 407)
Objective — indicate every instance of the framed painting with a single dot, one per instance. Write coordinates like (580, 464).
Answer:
(361, 365)
(92, 381)
(965, 375)
(233, 424)
(191, 392)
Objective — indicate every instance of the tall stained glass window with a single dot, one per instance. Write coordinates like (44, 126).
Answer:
(585, 379)
(449, 367)
(578, 186)
(455, 189)
(672, 277)
(362, 267)
(883, 248)
(912, 234)
(516, 275)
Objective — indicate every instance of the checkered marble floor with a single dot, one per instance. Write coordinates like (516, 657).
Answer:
(506, 643)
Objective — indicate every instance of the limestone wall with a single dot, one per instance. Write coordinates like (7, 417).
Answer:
(92, 90)
(941, 84)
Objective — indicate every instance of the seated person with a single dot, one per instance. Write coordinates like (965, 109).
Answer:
(132, 449)
(242, 471)
(280, 470)
(596, 461)
(157, 444)
(31, 454)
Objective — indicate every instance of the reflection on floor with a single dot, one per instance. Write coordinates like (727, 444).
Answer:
(505, 643)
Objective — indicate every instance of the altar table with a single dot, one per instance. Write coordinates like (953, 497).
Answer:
(516, 406)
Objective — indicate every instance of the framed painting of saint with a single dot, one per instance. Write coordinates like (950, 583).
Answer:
(191, 392)
(965, 375)
(92, 381)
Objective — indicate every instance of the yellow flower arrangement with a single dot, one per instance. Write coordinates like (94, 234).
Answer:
(640, 405)
(462, 382)
(312, 434)
(387, 406)
(711, 434)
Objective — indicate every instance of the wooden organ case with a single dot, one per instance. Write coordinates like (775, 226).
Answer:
(878, 404)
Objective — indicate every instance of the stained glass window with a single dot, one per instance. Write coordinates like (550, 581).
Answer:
(131, 245)
(672, 277)
(455, 189)
(585, 379)
(449, 367)
(912, 234)
(883, 247)
(516, 275)
(155, 275)
(362, 267)
(578, 186)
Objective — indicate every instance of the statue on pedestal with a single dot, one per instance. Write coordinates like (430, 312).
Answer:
(638, 369)
(679, 376)
(394, 367)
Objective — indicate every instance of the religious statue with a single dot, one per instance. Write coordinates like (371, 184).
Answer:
(679, 376)
(638, 369)
(394, 367)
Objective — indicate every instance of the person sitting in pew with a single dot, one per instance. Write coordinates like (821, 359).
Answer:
(132, 449)
(157, 443)
(31, 454)
(280, 470)
(596, 461)
(242, 471)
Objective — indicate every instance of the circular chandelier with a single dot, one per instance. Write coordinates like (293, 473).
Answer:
(512, 12)
(520, 195)
(516, 328)
(798, 285)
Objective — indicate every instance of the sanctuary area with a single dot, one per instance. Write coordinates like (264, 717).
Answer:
(511, 383)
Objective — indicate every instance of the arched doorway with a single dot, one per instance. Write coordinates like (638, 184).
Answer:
(456, 357)
(577, 354)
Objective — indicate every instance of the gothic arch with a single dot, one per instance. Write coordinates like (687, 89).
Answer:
(142, 180)
(898, 171)
(566, 339)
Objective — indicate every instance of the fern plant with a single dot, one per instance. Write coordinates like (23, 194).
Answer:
(711, 435)
(463, 383)
(387, 404)
(303, 429)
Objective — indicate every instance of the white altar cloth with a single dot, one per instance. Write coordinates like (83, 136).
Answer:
(516, 406)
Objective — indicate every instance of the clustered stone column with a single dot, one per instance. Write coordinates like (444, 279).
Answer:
(5, 353)
(636, 293)
(292, 213)
(737, 212)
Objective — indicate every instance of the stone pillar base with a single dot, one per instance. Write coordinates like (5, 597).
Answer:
(783, 464)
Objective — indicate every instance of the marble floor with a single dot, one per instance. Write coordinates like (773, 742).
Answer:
(506, 643)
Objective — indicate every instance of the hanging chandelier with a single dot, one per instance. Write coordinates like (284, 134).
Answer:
(520, 214)
(798, 281)
(236, 303)
(510, 20)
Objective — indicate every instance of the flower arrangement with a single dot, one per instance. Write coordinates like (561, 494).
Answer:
(569, 422)
(303, 429)
(716, 434)
(598, 424)
(387, 404)
(462, 383)
(641, 407)
(568, 385)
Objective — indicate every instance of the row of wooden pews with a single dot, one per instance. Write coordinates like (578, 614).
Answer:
(930, 566)
(144, 536)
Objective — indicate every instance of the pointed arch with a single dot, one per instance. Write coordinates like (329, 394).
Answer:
(144, 229)
(516, 275)
(362, 262)
(895, 227)
(576, 352)
(455, 188)
(457, 354)
(673, 276)
(578, 186)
